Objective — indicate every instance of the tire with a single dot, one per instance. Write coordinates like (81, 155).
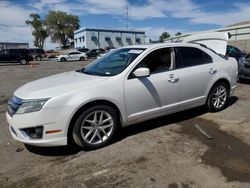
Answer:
(23, 62)
(89, 133)
(81, 58)
(241, 80)
(63, 59)
(218, 97)
(38, 58)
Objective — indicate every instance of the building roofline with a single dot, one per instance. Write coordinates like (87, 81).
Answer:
(110, 30)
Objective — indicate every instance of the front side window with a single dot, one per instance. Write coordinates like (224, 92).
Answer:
(158, 61)
(192, 56)
(113, 63)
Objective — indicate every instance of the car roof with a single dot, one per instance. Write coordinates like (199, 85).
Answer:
(156, 45)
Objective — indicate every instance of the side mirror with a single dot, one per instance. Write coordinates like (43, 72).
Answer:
(142, 72)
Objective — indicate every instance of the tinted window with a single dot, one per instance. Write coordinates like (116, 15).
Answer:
(23, 51)
(158, 61)
(40, 51)
(3, 52)
(192, 56)
(233, 51)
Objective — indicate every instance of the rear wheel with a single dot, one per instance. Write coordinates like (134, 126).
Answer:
(23, 62)
(218, 97)
(38, 58)
(63, 59)
(95, 127)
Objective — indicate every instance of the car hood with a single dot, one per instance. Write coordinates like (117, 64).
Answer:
(56, 85)
(217, 41)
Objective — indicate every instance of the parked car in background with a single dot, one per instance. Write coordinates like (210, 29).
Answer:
(94, 52)
(243, 64)
(127, 86)
(103, 54)
(37, 53)
(22, 56)
(72, 56)
(52, 53)
(84, 50)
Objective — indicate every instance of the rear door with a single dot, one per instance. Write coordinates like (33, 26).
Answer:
(196, 70)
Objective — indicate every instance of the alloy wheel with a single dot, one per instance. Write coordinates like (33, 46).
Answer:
(219, 96)
(97, 127)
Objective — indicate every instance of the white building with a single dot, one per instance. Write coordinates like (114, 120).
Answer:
(240, 36)
(104, 38)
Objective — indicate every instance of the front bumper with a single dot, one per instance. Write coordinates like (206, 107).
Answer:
(19, 122)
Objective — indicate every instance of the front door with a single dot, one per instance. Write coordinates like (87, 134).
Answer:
(157, 94)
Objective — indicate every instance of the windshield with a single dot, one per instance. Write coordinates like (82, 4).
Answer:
(113, 63)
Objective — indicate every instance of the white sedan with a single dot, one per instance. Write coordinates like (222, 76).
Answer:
(127, 86)
(72, 56)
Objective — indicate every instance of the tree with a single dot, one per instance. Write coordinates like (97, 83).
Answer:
(164, 36)
(178, 34)
(39, 31)
(61, 26)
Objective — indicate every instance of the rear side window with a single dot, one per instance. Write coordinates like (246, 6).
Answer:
(40, 51)
(24, 51)
(189, 57)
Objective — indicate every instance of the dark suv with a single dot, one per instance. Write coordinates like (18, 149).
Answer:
(37, 53)
(22, 56)
(244, 65)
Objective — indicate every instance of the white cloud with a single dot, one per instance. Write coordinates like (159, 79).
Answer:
(186, 9)
(15, 34)
(12, 15)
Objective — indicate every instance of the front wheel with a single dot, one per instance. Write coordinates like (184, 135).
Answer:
(95, 127)
(218, 97)
(63, 59)
(82, 59)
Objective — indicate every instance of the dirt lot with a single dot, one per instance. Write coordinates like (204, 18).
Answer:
(165, 152)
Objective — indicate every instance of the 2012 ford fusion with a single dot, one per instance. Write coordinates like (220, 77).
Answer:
(127, 86)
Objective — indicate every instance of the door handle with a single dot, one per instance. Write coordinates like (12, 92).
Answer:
(172, 79)
(212, 71)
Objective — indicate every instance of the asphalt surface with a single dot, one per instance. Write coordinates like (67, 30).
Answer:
(165, 152)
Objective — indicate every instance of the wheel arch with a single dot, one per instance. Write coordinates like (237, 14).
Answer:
(221, 80)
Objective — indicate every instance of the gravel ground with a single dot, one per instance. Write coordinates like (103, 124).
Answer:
(164, 152)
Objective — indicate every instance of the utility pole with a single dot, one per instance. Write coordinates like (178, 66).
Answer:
(126, 13)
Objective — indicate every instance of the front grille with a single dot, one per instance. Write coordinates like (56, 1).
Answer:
(13, 105)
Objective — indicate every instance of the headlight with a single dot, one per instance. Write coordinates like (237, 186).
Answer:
(31, 106)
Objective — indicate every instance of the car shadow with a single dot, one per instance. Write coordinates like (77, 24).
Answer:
(129, 130)
(9, 64)
(18, 64)
(245, 81)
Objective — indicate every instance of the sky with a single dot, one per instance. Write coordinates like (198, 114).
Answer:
(151, 16)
